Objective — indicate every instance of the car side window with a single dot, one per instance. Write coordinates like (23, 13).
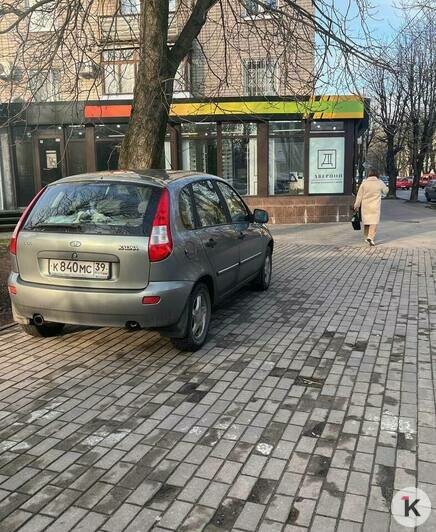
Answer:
(238, 210)
(210, 209)
(186, 209)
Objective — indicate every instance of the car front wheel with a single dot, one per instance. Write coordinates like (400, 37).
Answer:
(199, 313)
(43, 331)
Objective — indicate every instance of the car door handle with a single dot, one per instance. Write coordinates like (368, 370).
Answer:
(211, 243)
(241, 236)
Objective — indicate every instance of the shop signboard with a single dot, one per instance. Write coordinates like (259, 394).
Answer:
(326, 165)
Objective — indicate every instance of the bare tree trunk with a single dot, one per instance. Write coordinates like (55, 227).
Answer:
(391, 166)
(415, 186)
(414, 156)
(143, 144)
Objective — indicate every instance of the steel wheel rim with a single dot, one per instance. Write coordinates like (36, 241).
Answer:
(199, 316)
(267, 269)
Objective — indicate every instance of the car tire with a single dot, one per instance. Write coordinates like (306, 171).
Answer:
(199, 310)
(43, 331)
(263, 279)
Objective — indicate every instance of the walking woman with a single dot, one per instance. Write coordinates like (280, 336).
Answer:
(369, 199)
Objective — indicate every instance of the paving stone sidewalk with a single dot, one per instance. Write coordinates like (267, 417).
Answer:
(309, 406)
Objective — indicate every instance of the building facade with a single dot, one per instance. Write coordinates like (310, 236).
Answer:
(232, 114)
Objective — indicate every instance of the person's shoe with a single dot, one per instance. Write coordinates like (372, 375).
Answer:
(371, 242)
(368, 240)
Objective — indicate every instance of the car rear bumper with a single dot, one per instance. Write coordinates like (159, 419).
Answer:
(102, 308)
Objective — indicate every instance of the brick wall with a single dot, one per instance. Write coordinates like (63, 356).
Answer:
(223, 50)
(304, 209)
(289, 45)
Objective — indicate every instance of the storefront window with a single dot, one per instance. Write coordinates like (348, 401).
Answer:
(286, 158)
(199, 147)
(76, 149)
(108, 140)
(23, 151)
(239, 157)
(326, 165)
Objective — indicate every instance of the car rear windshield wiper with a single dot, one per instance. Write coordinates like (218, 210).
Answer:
(43, 225)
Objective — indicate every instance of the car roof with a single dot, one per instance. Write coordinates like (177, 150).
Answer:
(149, 176)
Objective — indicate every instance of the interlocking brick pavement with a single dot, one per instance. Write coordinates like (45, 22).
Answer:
(309, 406)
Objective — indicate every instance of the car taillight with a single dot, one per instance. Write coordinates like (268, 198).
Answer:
(150, 300)
(160, 244)
(21, 221)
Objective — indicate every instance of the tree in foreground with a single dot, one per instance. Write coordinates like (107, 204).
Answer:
(305, 38)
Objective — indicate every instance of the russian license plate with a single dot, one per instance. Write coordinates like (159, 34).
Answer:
(78, 268)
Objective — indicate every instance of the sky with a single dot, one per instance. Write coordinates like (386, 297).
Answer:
(383, 22)
(384, 18)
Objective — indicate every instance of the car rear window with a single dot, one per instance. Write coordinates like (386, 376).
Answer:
(96, 208)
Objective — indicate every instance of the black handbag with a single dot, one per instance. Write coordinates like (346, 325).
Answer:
(355, 221)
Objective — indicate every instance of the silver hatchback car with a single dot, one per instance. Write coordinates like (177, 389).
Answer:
(151, 249)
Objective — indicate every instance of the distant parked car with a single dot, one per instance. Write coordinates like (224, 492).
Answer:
(424, 180)
(385, 179)
(152, 249)
(430, 190)
(403, 183)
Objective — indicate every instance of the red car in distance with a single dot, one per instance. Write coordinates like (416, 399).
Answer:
(404, 183)
(425, 179)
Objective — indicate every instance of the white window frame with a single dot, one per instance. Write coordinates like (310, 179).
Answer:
(259, 86)
(172, 6)
(259, 11)
(48, 86)
(129, 7)
(117, 65)
(41, 19)
(182, 79)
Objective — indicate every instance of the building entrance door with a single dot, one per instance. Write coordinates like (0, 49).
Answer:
(50, 158)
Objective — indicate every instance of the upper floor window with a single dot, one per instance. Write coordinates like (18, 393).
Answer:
(130, 7)
(44, 85)
(42, 18)
(254, 8)
(119, 70)
(182, 80)
(171, 6)
(259, 77)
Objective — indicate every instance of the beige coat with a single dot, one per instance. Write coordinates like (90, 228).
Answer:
(369, 198)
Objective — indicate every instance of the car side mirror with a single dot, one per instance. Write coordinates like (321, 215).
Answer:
(260, 216)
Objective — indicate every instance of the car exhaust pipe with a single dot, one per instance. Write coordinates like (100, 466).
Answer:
(132, 326)
(38, 319)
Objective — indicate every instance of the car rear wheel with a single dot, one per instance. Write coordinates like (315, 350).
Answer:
(263, 279)
(43, 331)
(199, 313)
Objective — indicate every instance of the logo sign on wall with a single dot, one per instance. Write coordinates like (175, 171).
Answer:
(326, 165)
